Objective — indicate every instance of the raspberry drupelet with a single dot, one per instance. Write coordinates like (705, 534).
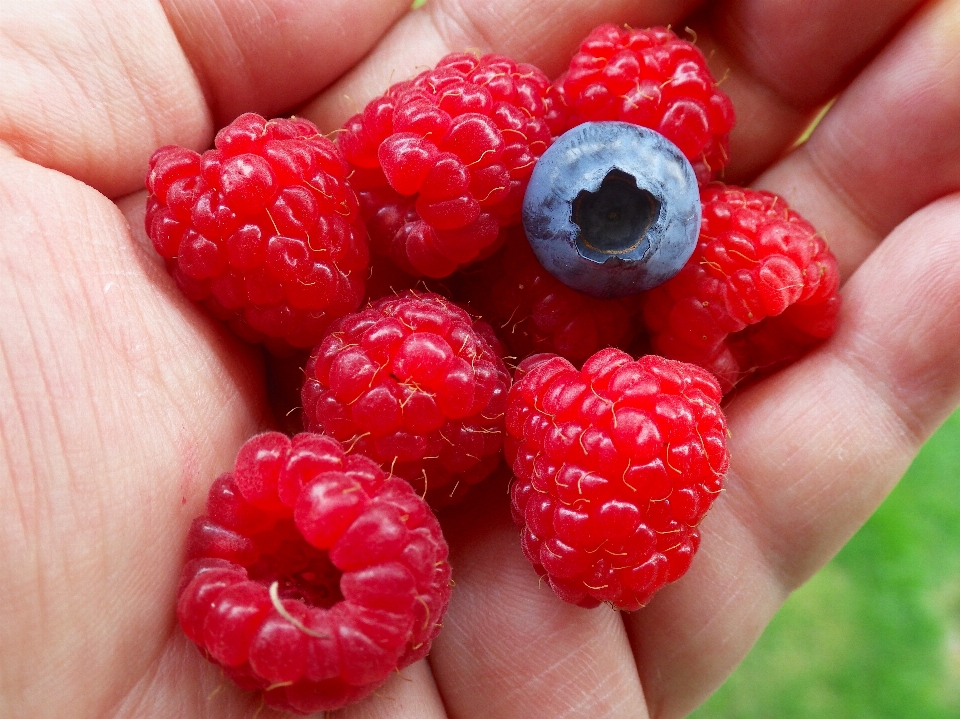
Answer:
(615, 466)
(414, 382)
(313, 575)
(441, 162)
(759, 291)
(650, 78)
(263, 230)
(533, 312)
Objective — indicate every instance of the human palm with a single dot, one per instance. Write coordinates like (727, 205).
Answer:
(121, 401)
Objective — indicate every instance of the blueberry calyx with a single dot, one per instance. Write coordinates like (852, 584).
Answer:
(612, 209)
(614, 219)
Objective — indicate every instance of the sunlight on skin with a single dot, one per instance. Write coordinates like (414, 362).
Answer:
(121, 401)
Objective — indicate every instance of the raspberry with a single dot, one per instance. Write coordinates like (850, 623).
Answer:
(758, 292)
(415, 383)
(615, 467)
(534, 312)
(263, 230)
(650, 78)
(386, 279)
(442, 161)
(313, 575)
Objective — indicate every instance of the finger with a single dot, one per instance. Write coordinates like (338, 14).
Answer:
(117, 409)
(814, 450)
(746, 571)
(509, 648)
(889, 144)
(780, 61)
(543, 32)
(183, 684)
(94, 93)
(269, 56)
(764, 51)
(409, 694)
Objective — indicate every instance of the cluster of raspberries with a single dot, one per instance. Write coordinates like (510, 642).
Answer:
(395, 260)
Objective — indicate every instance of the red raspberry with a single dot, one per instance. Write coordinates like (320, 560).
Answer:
(313, 575)
(650, 78)
(615, 467)
(442, 161)
(532, 311)
(415, 383)
(263, 230)
(759, 290)
(385, 279)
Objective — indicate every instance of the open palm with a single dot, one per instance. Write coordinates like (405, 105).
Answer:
(120, 401)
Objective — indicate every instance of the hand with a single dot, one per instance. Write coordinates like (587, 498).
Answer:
(121, 401)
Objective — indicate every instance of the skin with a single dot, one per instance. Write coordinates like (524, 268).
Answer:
(120, 402)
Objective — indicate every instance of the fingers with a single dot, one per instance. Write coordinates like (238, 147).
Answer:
(783, 60)
(888, 146)
(92, 93)
(269, 56)
(182, 683)
(93, 89)
(850, 417)
(543, 32)
(410, 694)
(117, 409)
(814, 449)
(509, 648)
(156, 81)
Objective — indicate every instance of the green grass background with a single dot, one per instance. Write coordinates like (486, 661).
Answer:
(876, 633)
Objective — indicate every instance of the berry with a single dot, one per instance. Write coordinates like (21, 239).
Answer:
(386, 279)
(758, 292)
(650, 78)
(533, 312)
(415, 383)
(615, 467)
(441, 161)
(313, 575)
(612, 209)
(263, 230)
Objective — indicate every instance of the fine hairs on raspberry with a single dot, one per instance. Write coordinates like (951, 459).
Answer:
(532, 312)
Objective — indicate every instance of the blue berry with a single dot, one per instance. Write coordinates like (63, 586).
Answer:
(612, 209)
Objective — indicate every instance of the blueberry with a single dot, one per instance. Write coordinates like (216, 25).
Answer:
(612, 209)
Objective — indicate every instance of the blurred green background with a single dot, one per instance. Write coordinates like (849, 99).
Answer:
(876, 633)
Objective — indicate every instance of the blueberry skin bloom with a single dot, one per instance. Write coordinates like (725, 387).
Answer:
(612, 209)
